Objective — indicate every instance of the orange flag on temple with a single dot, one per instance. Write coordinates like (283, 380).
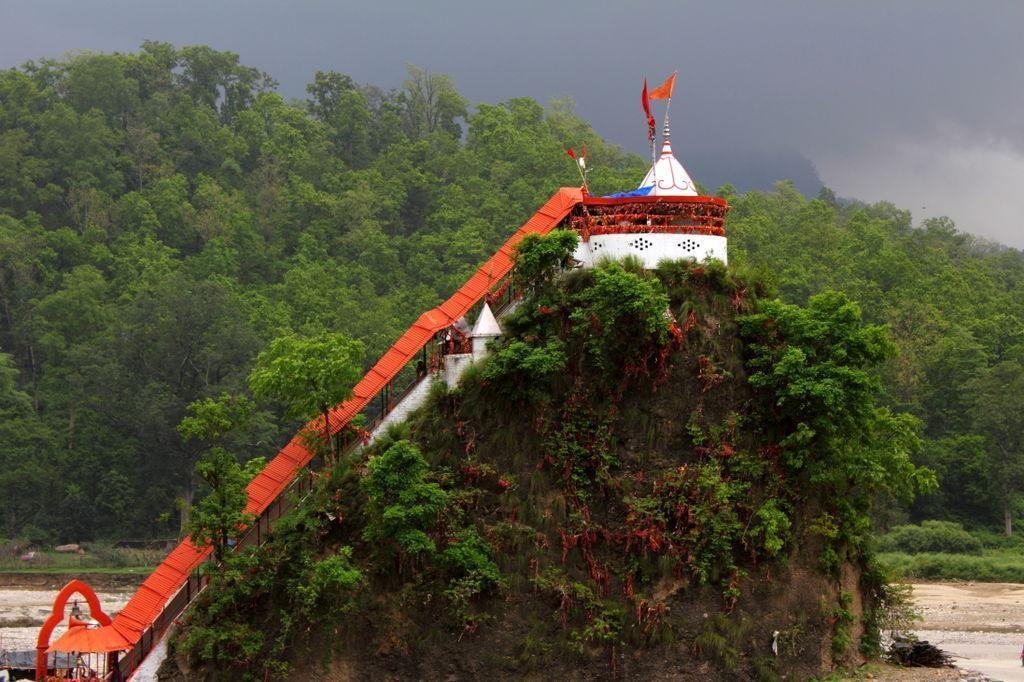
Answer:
(664, 91)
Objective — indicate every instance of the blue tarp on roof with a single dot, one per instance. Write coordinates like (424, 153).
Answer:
(638, 192)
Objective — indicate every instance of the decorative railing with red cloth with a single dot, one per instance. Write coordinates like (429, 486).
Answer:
(652, 215)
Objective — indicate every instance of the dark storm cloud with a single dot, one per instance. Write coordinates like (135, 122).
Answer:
(925, 91)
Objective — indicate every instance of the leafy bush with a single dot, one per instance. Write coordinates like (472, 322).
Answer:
(236, 630)
(719, 640)
(999, 540)
(896, 609)
(930, 536)
(995, 567)
(620, 315)
(228, 642)
(538, 258)
(330, 578)
(521, 369)
(470, 555)
(404, 505)
(772, 524)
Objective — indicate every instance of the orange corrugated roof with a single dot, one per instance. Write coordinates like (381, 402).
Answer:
(94, 640)
(147, 603)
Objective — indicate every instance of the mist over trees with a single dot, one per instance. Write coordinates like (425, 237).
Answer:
(165, 215)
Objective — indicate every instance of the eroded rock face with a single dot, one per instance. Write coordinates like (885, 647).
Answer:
(797, 604)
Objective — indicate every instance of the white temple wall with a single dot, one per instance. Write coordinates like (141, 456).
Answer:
(652, 247)
(480, 346)
(409, 402)
(454, 366)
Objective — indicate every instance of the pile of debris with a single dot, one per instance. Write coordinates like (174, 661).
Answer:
(911, 652)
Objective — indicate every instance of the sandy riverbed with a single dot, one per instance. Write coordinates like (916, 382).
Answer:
(982, 624)
(22, 612)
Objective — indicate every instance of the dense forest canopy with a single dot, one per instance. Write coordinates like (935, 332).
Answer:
(165, 214)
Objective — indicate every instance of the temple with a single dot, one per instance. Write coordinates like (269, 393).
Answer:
(664, 219)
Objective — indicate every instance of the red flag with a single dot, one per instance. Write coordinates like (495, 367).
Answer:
(664, 91)
(571, 152)
(645, 100)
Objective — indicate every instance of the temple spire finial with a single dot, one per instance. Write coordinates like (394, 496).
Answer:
(667, 177)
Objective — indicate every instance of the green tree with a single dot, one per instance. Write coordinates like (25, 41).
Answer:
(219, 516)
(998, 414)
(100, 81)
(309, 375)
(816, 365)
(432, 104)
(337, 101)
(219, 81)
(180, 342)
(962, 466)
(25, 465)
(404, 504)
(538, 259)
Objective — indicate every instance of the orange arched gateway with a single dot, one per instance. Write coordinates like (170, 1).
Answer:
(57, 615)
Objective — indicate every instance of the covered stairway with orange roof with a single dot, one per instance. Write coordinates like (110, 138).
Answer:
(163, 596)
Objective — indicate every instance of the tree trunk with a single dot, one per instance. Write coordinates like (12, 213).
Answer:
(187, 496)
(35, 383)
(328, 441)
(71, 427)
(1007, 519)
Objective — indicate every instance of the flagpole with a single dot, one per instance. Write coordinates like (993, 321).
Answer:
(581, 164)
(654, 151)
(652, 134)
(668, 105)
(654, 155)
(663, 91)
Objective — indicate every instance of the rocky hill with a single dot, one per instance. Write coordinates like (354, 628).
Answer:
(661, 474)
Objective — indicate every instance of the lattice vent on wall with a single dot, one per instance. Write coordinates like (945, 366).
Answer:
(642, 243)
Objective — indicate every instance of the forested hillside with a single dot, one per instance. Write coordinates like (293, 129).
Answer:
(165, 214)
(954, 308)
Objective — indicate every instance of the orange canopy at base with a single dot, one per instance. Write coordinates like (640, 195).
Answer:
(81, 639)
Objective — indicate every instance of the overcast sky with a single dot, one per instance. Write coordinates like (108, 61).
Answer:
(918, 102)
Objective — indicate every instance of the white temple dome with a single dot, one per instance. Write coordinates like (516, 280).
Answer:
(486, 326)
(667, 175)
